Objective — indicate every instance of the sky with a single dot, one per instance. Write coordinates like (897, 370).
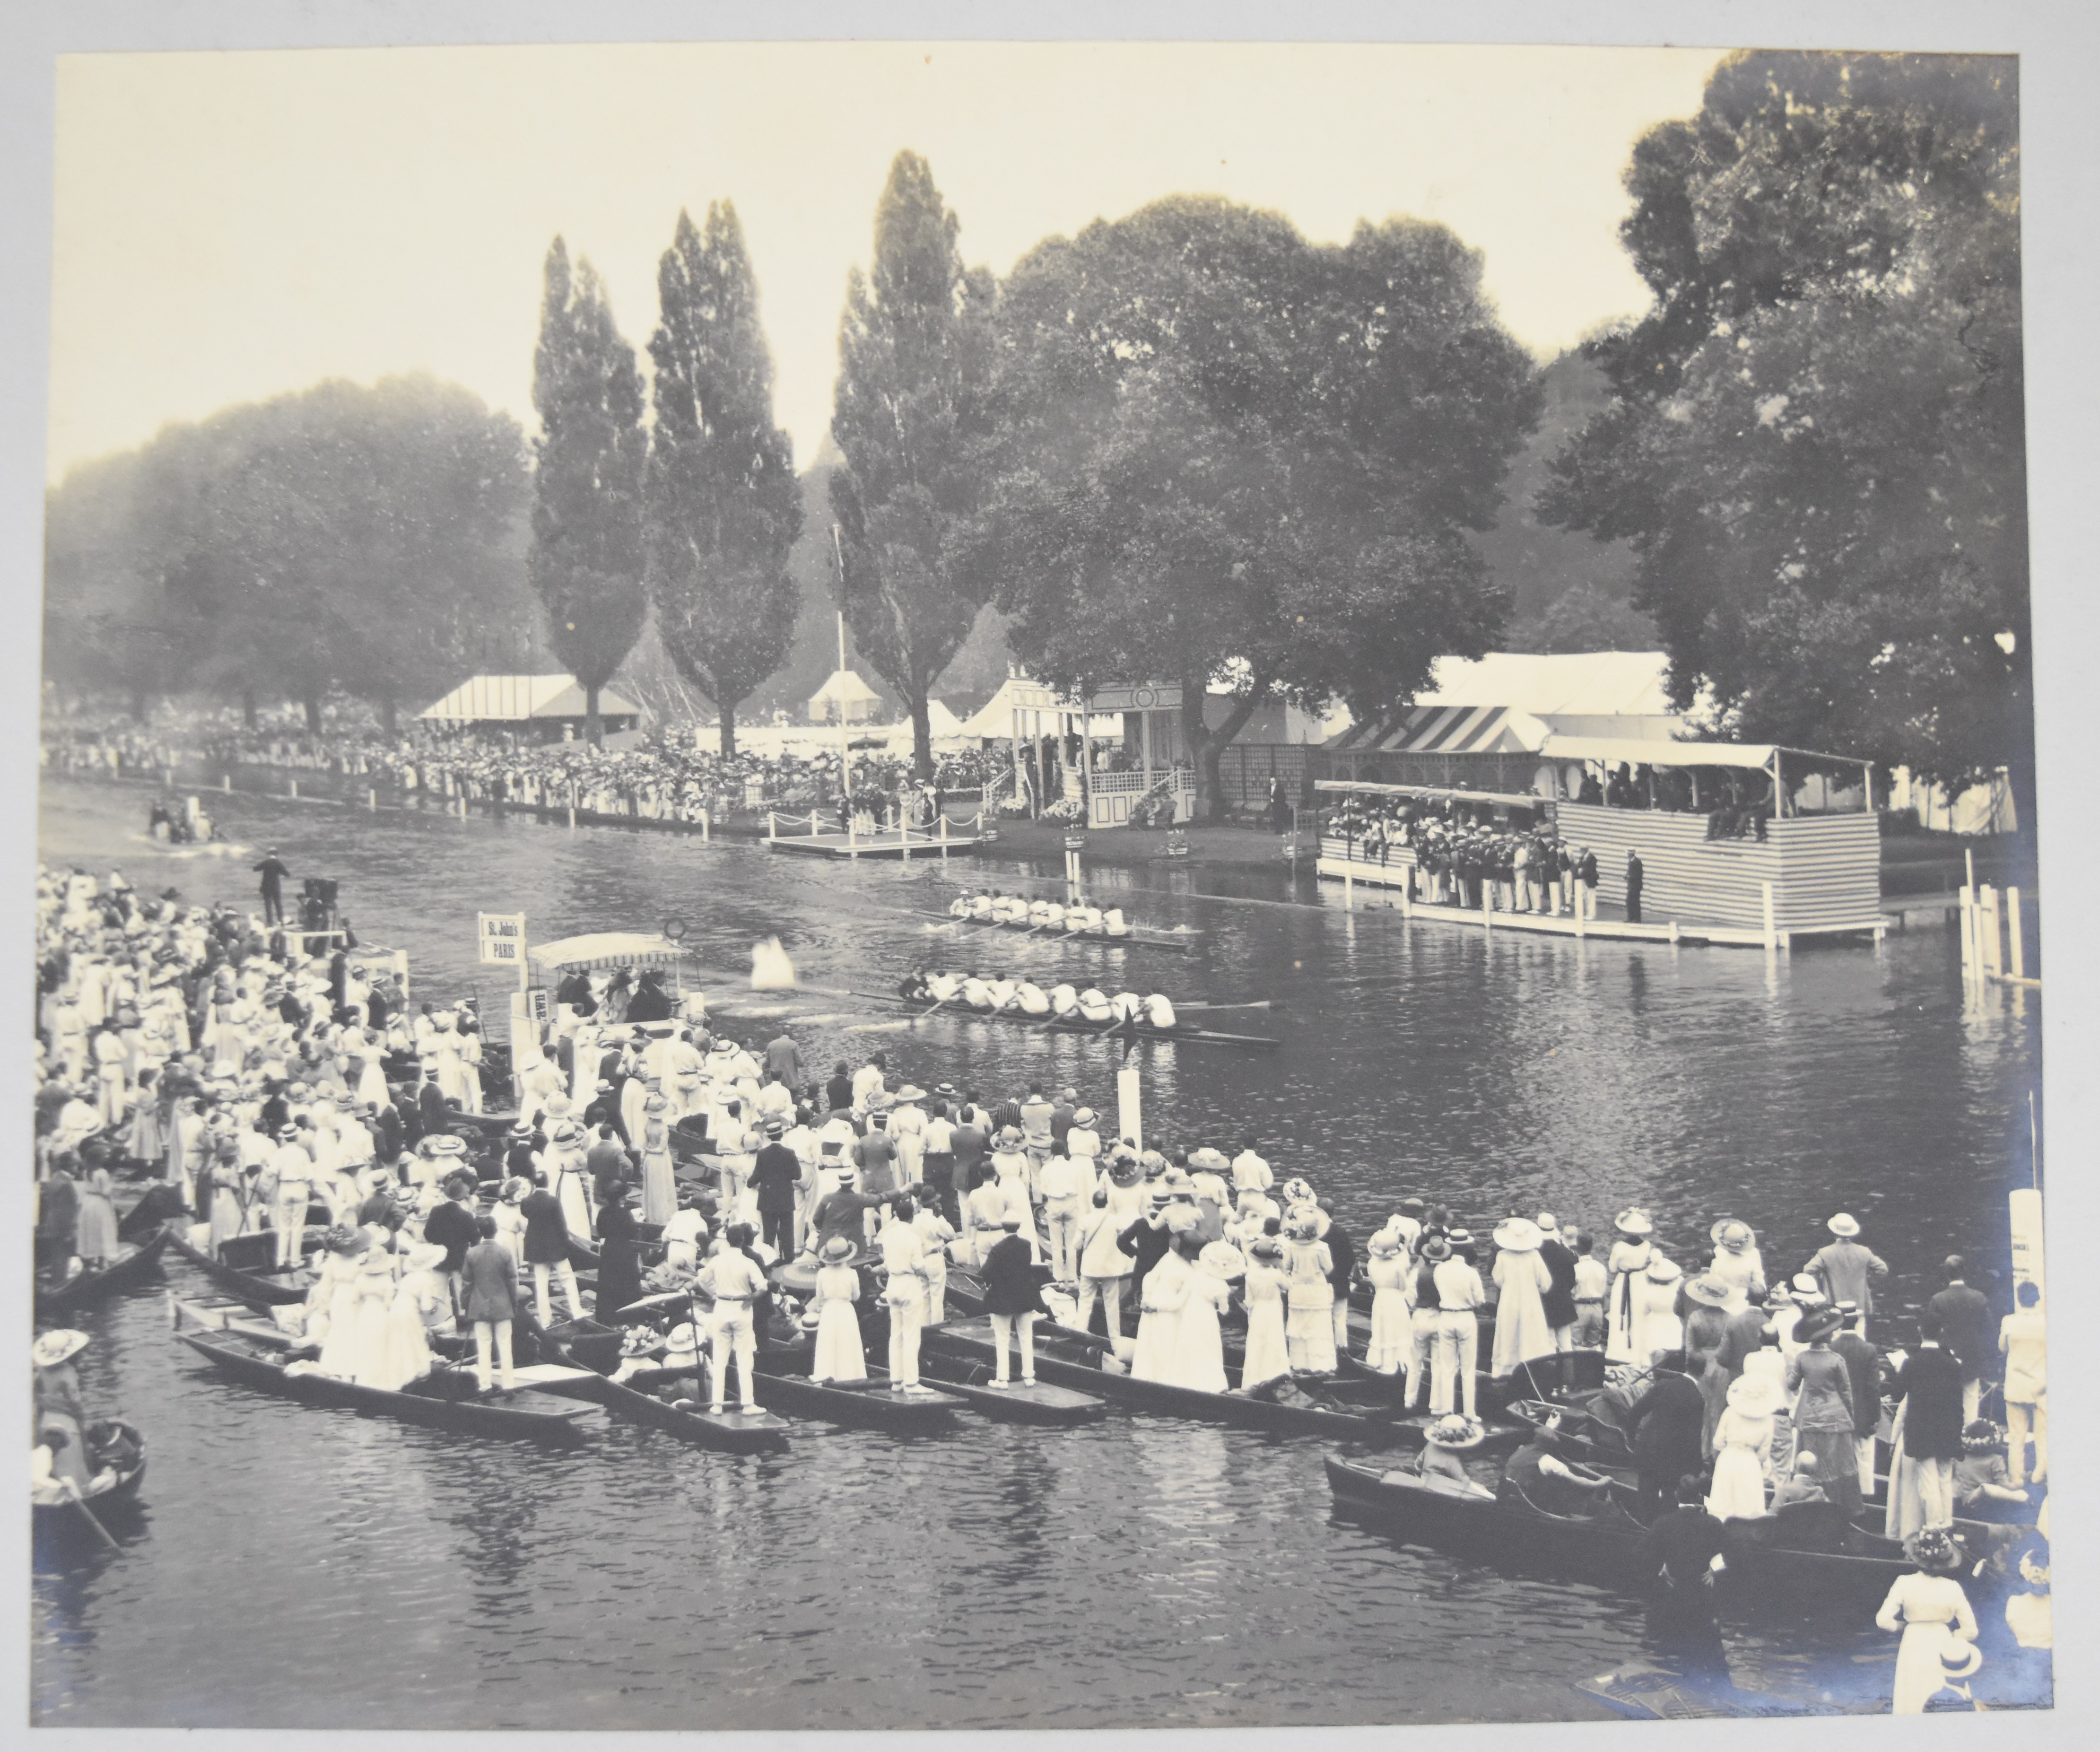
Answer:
(233, 225)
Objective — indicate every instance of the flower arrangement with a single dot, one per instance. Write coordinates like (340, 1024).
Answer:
(1066, 808)
(1155, 809)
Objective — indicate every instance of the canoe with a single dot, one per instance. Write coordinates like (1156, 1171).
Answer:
(153, 1206)
(1044, 1402)
(1130, 1030)
(261, 1291)
(972, 1343)
(1133, 939)
(134, 1266)
(522, 1416)
(1788, 1559)
(783, 1380)
(59, 1526)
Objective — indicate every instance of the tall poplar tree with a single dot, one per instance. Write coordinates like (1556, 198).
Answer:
(721, 506)
(914, 351)
(586, 560)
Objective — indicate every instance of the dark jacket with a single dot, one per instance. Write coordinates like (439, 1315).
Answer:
(431, 1109)
(452, 1226)
(1745, 1337)
(619, 1261)
(1559, 1297)
(490, 1282)
(1929, 1385)
(387, 1132)
(1146, 1247)
(605, 1111)
(774, 1173)
(1865, 1363)
(1965, 1327)
(1681, 1544)
(839, 1214)
(607, 1164)
(1668, 1421)
(1009, 1279)
(838, 1094)
(1343, 1252)
(967, 1144)
(546, 1229)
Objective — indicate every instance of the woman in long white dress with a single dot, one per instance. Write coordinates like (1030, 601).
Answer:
(1160, 1302)
(1199, 1345)
(1308, 1294)
(839, 1353)
(1268, 1351)
(1521, 1332)
(570, 1176)
(660, 1180)
(1742, 1450)
(422, 1305)
(509, 1218)
(1654, 1299)
(1631, 1255)
(1737, 1263)
(371, 1304)
(1938, 1625)
(347, 1248)
(1393, 1321)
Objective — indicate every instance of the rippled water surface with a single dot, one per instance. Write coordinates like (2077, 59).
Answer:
(310, 1568)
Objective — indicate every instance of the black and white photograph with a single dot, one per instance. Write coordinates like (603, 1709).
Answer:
(966, 884)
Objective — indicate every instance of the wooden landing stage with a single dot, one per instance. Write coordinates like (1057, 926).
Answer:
(882, 842)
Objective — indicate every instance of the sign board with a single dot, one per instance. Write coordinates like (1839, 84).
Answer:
(502, 936)
(2027, 1237)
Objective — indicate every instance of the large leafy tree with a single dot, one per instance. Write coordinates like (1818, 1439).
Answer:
(722, 508)
(1815, 441)
(908, 417)
(586, 561)
(1225, 454)
(344, 538)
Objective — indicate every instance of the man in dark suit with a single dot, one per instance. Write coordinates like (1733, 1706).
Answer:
(1559, 1297)
(431, 1109)
(1964, 1314)
(1013, 1300)
(1635, 875)
(1929, 1384)
(775, 1174)
(1665, 1424)
(1147, 1241)
(838, 1092)
(1864, 1363)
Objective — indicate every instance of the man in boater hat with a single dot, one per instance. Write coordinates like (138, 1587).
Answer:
(1847, 1269)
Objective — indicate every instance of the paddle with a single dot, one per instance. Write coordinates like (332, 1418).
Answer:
(101, 1532)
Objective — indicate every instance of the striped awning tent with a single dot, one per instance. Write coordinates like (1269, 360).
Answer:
(1447, 729)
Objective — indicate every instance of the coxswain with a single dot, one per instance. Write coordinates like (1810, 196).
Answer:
(959, 906)
(1158, 1011)
(1064, 1001)
(1031, 998)
(1114, 924)
(982, 903)
(1094, 1005)
(944, 986)
(977, 992)
(913, 988)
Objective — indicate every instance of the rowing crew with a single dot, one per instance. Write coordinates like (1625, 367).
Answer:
(1064, 1004)
(996, 908)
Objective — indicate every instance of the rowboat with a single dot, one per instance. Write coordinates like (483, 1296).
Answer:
(1132, 1030)
(1180, 943)
(783, 1379)
(257, 1356)
(133, 1266)
(1806, 1555)
(1247, 1411)
(113, 1446)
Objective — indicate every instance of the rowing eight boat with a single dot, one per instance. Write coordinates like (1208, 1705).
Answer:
(1132, 1030)
(1132, 939)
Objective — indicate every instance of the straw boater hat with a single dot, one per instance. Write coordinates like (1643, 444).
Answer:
(1455, 1432)
(837, 1251)
(1710, 1292)
(1084, 1116)
(1549, 1225)
(1660, 1270)
(51, 1348)
(1843, 1223)
(1633, 1220)
(523, 1129)
(1733, 1233)
(444, 1144)
(1755, 1396)
(1518, 1234)
(681, 1345)
(1385, 1243)
(1807, 1287)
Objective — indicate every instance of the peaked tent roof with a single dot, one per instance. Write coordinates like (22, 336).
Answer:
(1448, 729)
(847, 685)
(512, 699)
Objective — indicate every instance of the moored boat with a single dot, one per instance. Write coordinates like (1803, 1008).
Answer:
(134, 1266)
(1015, 1401)
(270, 1286)
(117, 1453)
(783, 1380)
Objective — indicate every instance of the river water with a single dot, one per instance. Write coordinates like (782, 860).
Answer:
(310, 1569)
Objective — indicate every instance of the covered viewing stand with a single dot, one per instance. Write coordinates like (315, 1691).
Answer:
(1739, 843)
(636, 951)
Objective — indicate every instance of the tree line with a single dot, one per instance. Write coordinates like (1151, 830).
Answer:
(1191, 446)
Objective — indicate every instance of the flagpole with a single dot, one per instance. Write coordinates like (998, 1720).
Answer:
(845, 748)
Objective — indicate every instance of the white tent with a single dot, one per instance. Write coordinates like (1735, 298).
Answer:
(941, 725)
(845, 693)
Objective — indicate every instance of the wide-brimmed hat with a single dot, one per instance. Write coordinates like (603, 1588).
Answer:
(1456, 1432)
(425, 1256)
(1518, 1234)
(1709, 1291)
(53, 1348)
(1010, 1134)
(1661, 1270)
(349, 1242)
(1843, 1223)
(640, 1341)
(1083, 1116)
(1436, 1248)
(1297, 1191)
(568, 1131)
(837, 1250)
(1721, 1234)
(1755, 1396)
(655, 1104)
(1819, 1323)
(910, 1092)
(444, 1144)
(1386, 1241)
(1934, 1550)
(1807, 1284)
(1633, 1220)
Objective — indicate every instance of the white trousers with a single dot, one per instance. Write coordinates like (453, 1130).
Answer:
(1003, 1335)
(1453, 1376)
(905, 1318)
(1935, 1490)
(1972, 1400)
(492, 1335)
(291, 1219)
(1109, 1291)
(566, 1274)
(730, 1335)
(1064, 1227)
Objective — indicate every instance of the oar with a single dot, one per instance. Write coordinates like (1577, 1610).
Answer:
(1256, 1003)
(101, 1532)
